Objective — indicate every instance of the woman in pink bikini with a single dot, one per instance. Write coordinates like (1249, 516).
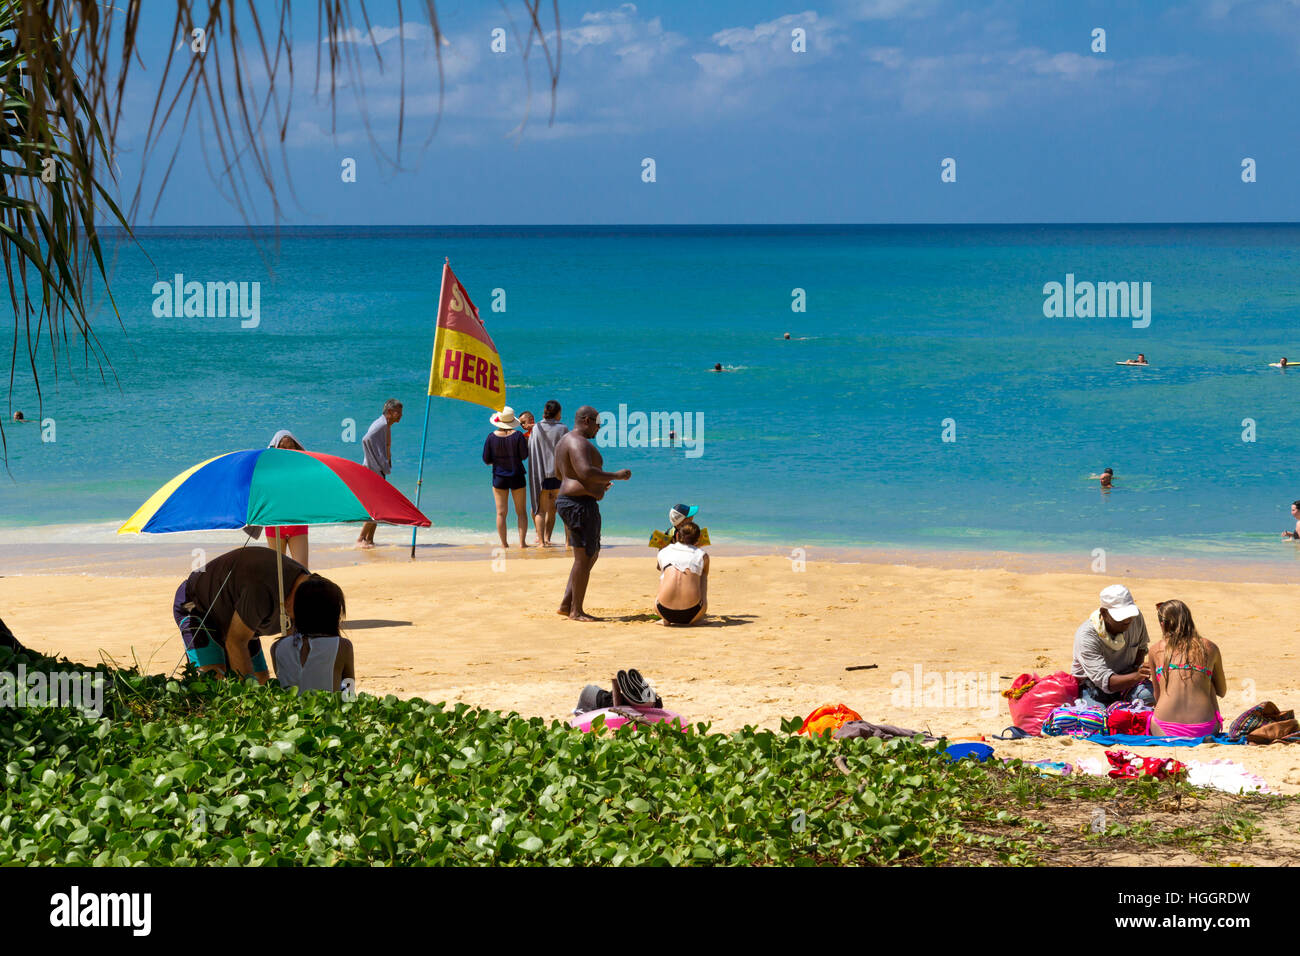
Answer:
(1188, 677)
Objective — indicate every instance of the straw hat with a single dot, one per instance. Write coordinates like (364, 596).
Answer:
(504, 419)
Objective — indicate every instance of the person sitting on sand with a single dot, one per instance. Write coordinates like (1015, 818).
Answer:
(1109, 651)
(1295, 513)
(315, 657)
(1107, 476)
(683, 596)
(1189, 677)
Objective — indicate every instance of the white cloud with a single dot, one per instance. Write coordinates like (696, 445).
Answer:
(888, 9)
(378, 35)
(637, 42)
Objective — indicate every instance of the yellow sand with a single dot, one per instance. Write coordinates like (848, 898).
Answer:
(777, 643)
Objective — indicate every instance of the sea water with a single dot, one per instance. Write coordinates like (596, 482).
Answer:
(925, 399)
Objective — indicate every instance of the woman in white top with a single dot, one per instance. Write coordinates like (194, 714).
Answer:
(314, 657)
(683, 596)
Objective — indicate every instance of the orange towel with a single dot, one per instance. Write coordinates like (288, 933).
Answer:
(828, 717)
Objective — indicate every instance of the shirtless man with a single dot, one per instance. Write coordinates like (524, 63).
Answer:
(582, 484)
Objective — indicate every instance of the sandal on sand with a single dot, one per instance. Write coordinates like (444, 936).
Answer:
(1012, 733)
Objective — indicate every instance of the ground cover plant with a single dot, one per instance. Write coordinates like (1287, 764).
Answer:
(205, 771)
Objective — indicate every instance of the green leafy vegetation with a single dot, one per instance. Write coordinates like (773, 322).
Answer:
(219, 772)
(206, 771)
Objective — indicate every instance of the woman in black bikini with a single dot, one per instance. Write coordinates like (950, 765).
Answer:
(683, 596)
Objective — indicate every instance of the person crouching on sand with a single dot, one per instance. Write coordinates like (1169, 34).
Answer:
(1110, 650)
(315, 657)
(1188, 677)
(683, 596)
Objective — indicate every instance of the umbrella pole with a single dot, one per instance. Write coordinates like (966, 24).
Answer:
(419, 478)
(279, 583)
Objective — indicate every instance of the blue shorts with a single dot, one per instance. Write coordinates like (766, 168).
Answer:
(203, 645)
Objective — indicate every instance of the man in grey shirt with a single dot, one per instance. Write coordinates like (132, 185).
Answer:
(1110, 650)
(377, 455)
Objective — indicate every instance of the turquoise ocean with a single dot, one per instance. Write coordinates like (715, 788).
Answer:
(834, 437)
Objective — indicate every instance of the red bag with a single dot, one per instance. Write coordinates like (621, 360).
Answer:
(1031, 698)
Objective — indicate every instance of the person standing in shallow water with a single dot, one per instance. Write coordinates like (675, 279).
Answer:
(377, 455)
(506, 450)
(583, 482)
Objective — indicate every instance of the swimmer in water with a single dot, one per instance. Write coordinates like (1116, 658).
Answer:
(787, 335)
(1295, 513)
(718, 367)
(1105, 477)
(1140, 360)
(18, 417)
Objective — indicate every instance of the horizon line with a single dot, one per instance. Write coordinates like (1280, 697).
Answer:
(112, 228)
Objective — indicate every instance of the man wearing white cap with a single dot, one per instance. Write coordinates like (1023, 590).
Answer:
(1110, 650)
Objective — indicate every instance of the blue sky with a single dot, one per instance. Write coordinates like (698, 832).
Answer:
(744, 130)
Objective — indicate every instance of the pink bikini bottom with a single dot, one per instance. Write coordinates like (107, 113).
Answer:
(1168, 729)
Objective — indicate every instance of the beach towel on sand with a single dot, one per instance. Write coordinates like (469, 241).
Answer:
(1133, 740)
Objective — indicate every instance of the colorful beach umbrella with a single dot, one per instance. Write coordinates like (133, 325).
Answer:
(272, 486)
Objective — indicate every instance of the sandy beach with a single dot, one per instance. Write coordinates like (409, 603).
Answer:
(777, 643)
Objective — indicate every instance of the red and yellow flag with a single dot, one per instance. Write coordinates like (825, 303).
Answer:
(466, 364)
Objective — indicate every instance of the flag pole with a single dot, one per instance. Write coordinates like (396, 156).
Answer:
(428, 400)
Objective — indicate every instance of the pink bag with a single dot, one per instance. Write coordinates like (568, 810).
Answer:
(1031, 698)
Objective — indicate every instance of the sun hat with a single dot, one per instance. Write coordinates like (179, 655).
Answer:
(679, 513)
(504, 419)
(1118, 602)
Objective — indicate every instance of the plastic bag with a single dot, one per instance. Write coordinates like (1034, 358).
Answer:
(1031, 698)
